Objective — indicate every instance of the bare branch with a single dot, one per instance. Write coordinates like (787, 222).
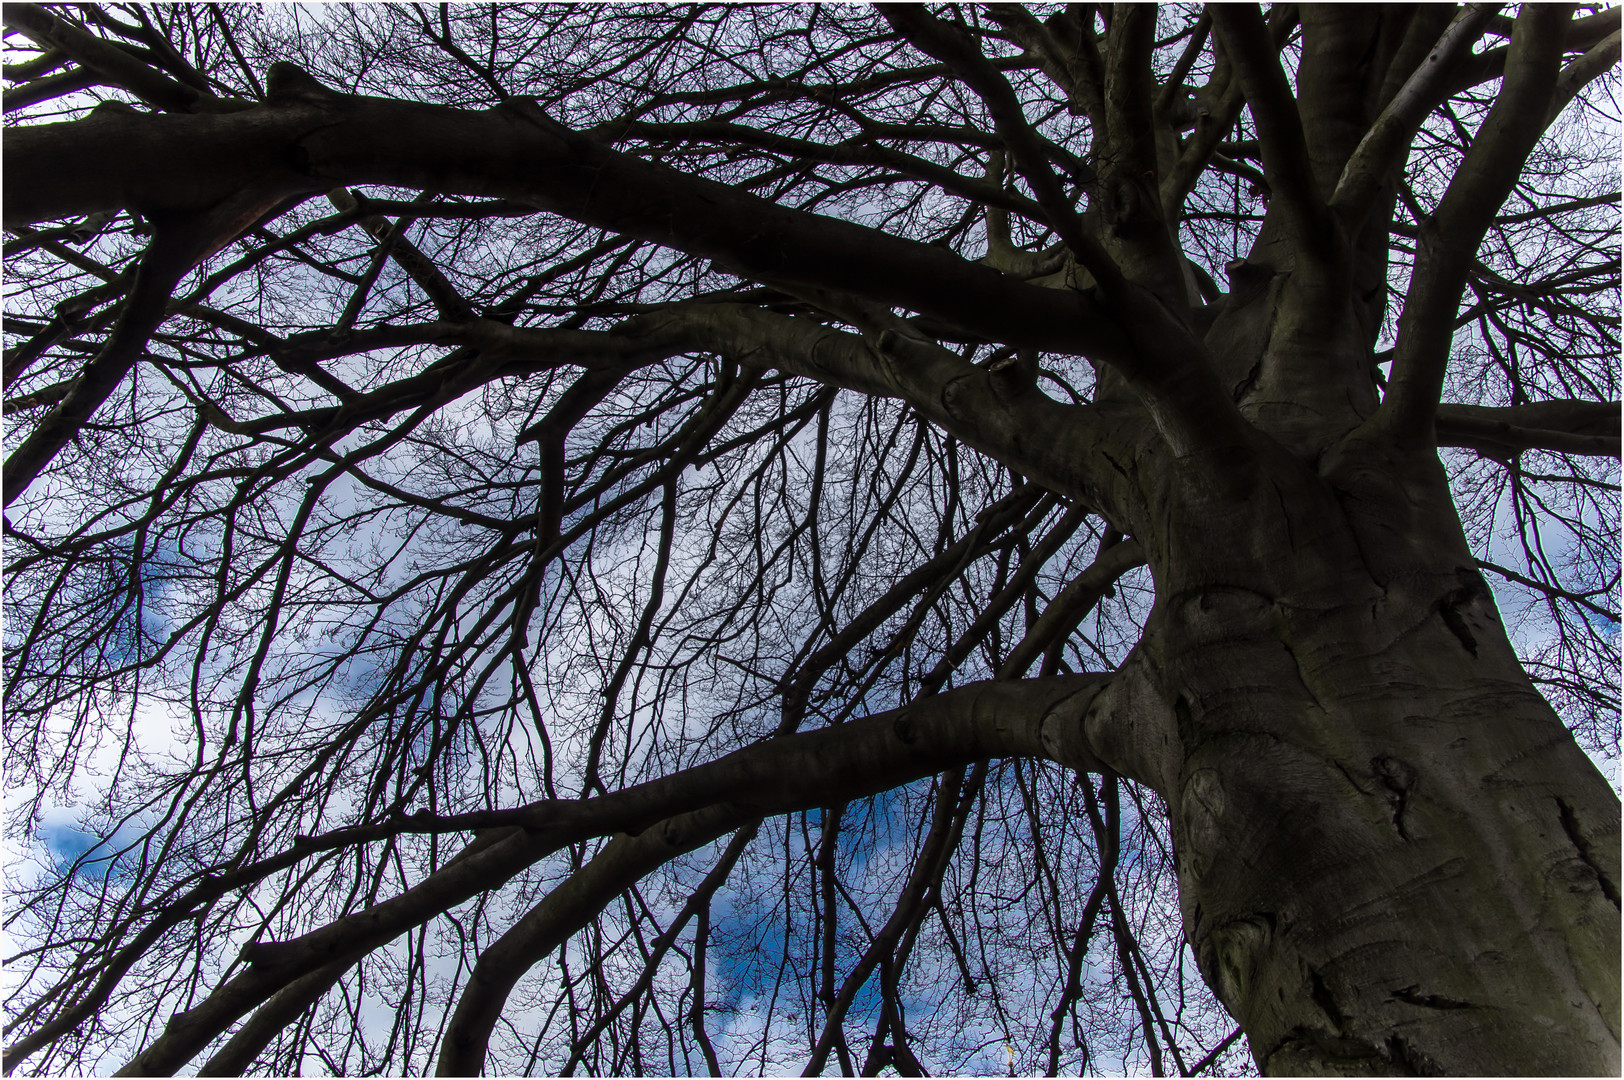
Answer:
(1582, 35)
(1280, 131)
(1450, 238)
(56, 170)
(951, 46)
(985, 720)
(620, 865)
(107, 61)
(174, 250)
(1386, 145)
(1569, 427)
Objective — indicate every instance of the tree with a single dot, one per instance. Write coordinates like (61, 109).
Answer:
(692, 539)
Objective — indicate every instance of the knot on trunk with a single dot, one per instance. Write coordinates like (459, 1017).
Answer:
(1232, 956)
(1202, 811)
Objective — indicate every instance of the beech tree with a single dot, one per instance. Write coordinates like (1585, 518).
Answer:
(751, 539)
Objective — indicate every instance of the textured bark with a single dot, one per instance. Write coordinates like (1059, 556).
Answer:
(1393, 858)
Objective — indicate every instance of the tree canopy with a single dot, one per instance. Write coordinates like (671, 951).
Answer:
(724, 539)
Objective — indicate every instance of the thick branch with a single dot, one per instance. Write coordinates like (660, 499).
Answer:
(177, 246)
(103, 59)
(1073, 603)
(1599, 59)
(418, 266)
(1032, 433)
(1569, 427)
(1040, 717)
(1450, 238)
(951, 46)
(1246, 41)
(1073, 65)
(1582, 35)
(1386, 145)
(988, 409)
(1132, 163)
(48, 89)
(574, 904)
(1224, 102)
(1026, 430)
(249, 1041)
(306, 139)
(1130, 89)
(947, 824)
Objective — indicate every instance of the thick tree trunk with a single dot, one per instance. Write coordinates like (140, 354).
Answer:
(1393, 858)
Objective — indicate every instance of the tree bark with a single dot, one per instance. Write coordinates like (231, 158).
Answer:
(1393, 858)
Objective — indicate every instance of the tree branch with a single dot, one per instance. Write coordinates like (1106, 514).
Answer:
(1450, 238)
(418, 266)
(1554, 591)
(1073, 68)
(1386, 145)
(1568, 427)
(1033, 434)
(237, 1056)
(698, 904)
(1039, 717)
(307, 139)
(952, 47)
(109, 64)
(627, 859)
(1224, 100)
(845, 152)
(1138, 231)
(947, 824)
(1247, 43)
(177, 245)
(1596, 61)
(1582, 35)
(48, 88)
(568, 908)
(1072, 604)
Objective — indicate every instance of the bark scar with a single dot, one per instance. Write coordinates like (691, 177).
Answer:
(1411, 995)
(1321, 993)
(1472, 589)
(903, 729)
(1582, 844)
(1399, 779)
(1245, 386)
(951, 392)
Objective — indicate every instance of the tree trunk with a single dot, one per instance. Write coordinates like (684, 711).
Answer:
(1393, 857)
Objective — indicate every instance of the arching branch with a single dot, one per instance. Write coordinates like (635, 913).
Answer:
(1450, 238)
(619, 866)
(310, 140)
(1042, 717)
